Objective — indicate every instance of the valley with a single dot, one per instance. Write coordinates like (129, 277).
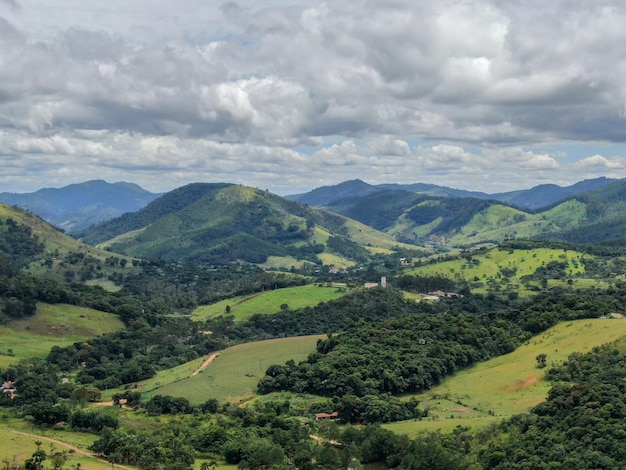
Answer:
(218, 326)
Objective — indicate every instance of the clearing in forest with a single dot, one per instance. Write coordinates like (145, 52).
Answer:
(52, 325)
(269, 302)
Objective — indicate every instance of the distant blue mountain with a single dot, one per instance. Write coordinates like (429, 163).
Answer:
(78, 206)
(527, 199)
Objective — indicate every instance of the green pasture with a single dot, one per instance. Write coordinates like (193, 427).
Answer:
(18, 440)
(497, 265)
(332, 259)
(52, 325)
(508, 384)
(499, 222)
(162, 378)
(268, 302)
(106, 284)
(235, 372)
(282, 262)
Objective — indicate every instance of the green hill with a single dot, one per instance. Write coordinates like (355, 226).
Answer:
(221, 223)
(604, 217)
(509, 384)
(590, 216)
(41, 249)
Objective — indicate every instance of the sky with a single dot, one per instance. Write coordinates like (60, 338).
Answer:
(293, 95)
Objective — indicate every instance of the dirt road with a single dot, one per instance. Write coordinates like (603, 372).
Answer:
(67, 446)
(206, 362)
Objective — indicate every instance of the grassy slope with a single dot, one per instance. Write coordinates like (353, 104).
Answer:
(58, 246)
(16, 447)
(498, 222)
(223, 214)
(234, 374)
(508, 384)
(488, 265)
(495, 223)
(244, 307)
(52, 325)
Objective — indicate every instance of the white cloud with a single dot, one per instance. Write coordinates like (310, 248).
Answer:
(447, 92)
(598, 162)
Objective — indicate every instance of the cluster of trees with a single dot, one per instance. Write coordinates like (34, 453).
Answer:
(271, 435)
(18, 242)
(415, 351)
(454, 212)
(395, 356)
(347, 248)
(45, 413)
(425, 284)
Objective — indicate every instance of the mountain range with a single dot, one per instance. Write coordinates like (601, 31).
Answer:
(534, 198)
(342, 225)
(77, 206)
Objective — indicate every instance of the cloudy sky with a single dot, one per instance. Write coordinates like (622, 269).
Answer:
(290, 95)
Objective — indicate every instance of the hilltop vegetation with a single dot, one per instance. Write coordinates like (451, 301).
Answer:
(46, 252)
(220, 223)
(588, 212)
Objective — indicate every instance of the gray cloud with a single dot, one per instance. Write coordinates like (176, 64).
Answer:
(289, 95)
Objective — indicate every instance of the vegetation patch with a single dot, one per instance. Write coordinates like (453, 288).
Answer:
(509, 384)
(18, 446)
(518, 270)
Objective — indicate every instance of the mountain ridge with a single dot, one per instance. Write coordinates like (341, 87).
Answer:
(534, 198)
(76, 206)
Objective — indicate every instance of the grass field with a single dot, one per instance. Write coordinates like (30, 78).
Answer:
(492, 267)
(234, 374)
(269, 302)
(52, 325)
(18, 442)
(508, 384)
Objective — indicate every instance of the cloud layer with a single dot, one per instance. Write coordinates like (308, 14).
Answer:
(478, 94)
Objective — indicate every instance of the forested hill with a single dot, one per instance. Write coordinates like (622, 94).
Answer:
(168, 203)
(221, 223)
(605, 216)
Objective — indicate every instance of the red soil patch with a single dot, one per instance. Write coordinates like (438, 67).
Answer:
(460, 409)
(522, 384)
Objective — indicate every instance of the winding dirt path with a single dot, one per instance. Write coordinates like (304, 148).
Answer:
(206, 362)
(65, 445)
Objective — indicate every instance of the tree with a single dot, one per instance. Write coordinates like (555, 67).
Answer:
(80, 396)
(541, 360)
